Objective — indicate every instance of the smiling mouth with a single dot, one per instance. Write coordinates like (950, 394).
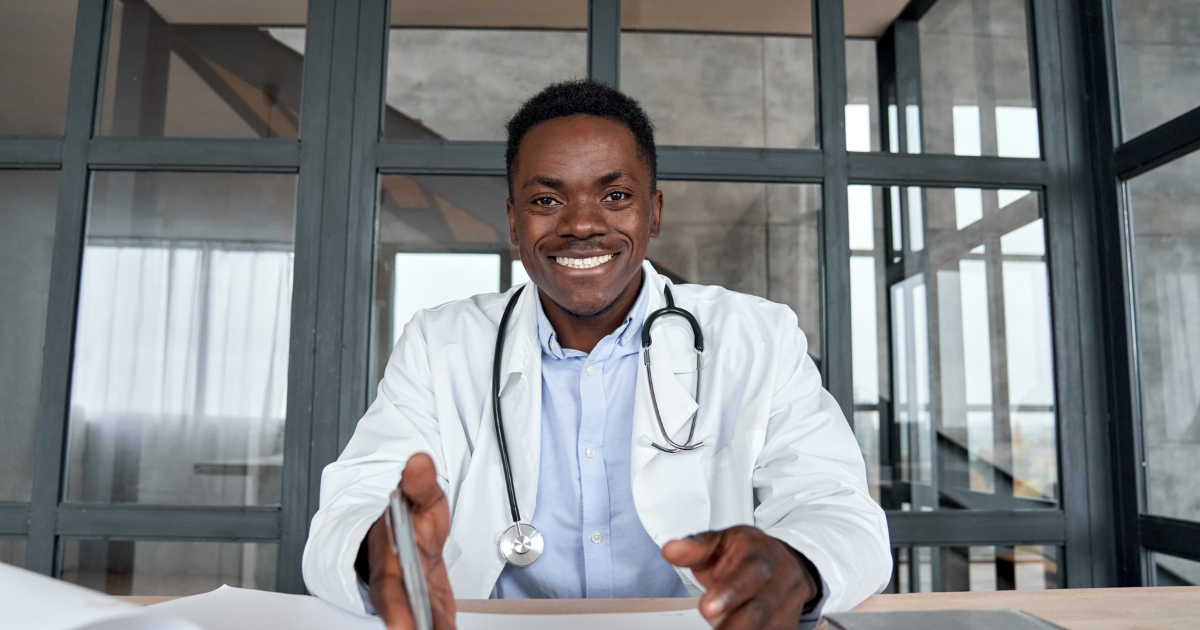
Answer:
(583, 263)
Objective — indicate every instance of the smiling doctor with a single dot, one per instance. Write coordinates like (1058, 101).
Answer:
(641, 458)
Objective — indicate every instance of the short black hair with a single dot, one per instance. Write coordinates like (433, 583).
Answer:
(581, 96)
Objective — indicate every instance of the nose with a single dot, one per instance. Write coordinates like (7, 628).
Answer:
(583, 219)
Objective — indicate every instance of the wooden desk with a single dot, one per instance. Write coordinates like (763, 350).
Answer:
(1162, 608)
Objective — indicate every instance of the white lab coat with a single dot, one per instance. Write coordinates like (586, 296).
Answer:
(778, 452)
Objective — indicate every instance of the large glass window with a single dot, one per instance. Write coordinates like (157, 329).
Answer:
(181, 349)
(36, 40)
(1158, 58)
(12, 551)
(204, 69)
(982, 568)
(167, 568)
(459, 72)
(722, 73)
(1175, 571)
(977, 95)
(760, 239)
(1165, 218)
(968, 414)
(27, 212)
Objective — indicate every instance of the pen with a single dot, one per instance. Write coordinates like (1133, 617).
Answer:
(404, 544)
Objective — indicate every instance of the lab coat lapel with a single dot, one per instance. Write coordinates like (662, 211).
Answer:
(675, 402)
(482, 512)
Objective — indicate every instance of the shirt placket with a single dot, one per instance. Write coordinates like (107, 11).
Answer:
(597, 551)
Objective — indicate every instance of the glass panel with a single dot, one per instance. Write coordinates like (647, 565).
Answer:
(28, 205)
(181, 348)
(1158, 58)
(12, 551)
(204, 69)
(976, 82)
(167, 568)
(862, 96)
(960, 569)
(967, 420)
(1166, 253)
(36, 40)
(760, 239)
(722, 73)
(458, 70)
(440, 238)
(1173, 571)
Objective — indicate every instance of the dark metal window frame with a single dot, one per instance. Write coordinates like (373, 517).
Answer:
(1117, 160)
(340, 156)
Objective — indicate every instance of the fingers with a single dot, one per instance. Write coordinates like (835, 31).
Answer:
(418, 482)
(735, 585)
(696, 552)
(386, 582)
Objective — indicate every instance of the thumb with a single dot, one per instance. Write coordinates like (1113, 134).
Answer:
(695, 552)
(418, 482)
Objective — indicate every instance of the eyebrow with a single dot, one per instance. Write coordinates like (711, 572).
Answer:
(549, 182)
(605, 180)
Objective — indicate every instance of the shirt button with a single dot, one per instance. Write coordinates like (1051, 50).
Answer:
(596, 537)
(590, 452)
(591, 370)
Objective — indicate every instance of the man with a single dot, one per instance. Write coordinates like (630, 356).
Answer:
(770, 518)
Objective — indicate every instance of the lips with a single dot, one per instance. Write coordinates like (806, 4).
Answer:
(583, 263)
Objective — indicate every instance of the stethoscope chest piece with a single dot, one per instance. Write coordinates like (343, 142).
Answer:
(521, 545)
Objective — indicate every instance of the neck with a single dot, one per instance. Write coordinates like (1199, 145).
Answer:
(584, 333)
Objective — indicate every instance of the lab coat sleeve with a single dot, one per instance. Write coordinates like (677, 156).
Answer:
(355, 488)
(811, 486)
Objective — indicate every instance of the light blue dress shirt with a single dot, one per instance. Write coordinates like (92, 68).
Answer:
(596, 545)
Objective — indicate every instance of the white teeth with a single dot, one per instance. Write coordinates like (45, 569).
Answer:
(583, 263)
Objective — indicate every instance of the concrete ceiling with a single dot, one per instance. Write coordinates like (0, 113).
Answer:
(864, 18)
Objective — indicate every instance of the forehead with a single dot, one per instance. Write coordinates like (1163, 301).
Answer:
(579, 142)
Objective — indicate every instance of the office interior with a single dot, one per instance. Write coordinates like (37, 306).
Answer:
(216, 217)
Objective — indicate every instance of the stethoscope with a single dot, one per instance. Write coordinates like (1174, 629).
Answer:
(522, 544)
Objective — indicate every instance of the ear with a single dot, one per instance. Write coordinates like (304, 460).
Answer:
(656, 207)
(512, 222)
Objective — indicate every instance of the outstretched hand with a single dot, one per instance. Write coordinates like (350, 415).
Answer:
(431, 525)
(752, 581)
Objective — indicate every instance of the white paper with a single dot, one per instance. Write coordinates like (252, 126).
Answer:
(32, 600)
(672, 620)
(230, 608)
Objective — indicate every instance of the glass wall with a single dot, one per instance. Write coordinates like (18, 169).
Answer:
(36, 40)
(181, 348)
(976, 81)
(28, 205)
(966, 306)
(984, 568)
(1165, 220)
(204, 69)
(722, 73)
(167, 568)
(1158, 61)
(459, 70)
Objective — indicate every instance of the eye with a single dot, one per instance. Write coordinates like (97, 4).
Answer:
(545, 201)
(616, 195)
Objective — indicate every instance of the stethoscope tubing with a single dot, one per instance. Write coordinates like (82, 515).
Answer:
(497, 358)
(674, 447)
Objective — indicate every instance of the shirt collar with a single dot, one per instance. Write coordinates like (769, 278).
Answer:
(627, 335)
